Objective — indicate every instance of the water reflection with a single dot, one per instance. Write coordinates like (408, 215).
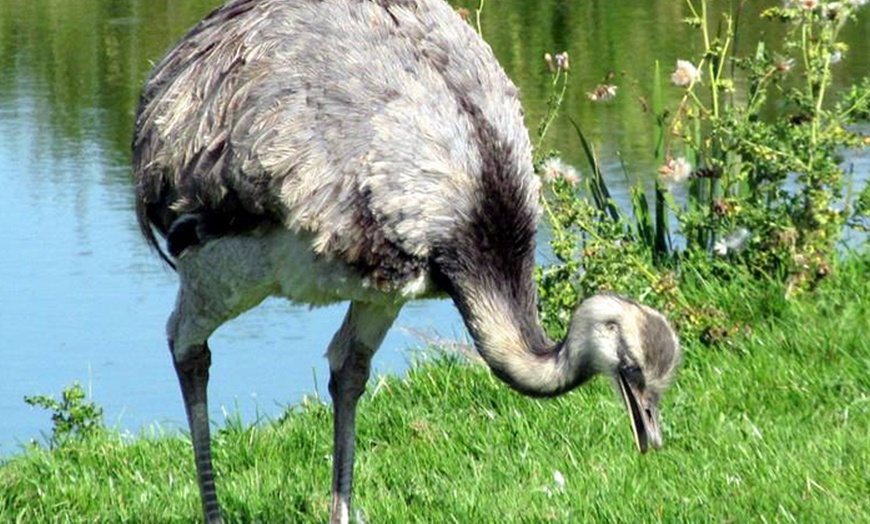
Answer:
(84, 300)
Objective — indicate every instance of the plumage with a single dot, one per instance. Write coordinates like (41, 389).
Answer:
(344, 119)
(370, 151)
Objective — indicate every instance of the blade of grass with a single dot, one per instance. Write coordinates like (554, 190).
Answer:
(597, 186)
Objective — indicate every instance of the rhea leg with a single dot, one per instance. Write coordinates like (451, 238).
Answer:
(188, 330)
(350, 354)
(206, 299)
(193, 377)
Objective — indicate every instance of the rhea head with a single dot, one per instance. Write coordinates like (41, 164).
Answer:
(636, 347)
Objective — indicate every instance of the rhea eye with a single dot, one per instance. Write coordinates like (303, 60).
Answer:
(612, 326)
(633, 373)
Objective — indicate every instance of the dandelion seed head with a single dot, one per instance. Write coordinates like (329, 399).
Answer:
(686, 74)
(675, 170)
(831, 10)
(555, 168)
(734, 242)
(602, 93)
(784, 65)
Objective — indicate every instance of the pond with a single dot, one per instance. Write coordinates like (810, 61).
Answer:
(84, 299)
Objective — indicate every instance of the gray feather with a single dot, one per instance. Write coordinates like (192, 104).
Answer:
(346, 119)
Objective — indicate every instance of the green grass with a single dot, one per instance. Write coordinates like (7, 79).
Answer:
(771, 426)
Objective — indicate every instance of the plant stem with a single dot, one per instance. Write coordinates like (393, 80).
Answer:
(477, 16)
(552, 111)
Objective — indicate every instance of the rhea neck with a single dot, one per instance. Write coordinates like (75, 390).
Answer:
(486, 264)
(500, 313)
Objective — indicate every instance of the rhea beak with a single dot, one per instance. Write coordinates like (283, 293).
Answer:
(644, 413)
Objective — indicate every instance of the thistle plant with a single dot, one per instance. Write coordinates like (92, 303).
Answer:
(755, 140)
(768, 157)
(595, 245)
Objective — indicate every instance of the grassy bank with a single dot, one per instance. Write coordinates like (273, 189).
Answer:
(772, 425)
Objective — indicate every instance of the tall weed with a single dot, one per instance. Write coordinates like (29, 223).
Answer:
(755, 143)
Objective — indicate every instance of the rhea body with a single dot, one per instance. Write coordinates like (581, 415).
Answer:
(370, 151)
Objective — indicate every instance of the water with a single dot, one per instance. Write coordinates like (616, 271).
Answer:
(83, 298)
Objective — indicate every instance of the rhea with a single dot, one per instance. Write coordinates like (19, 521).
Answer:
(368, 151)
